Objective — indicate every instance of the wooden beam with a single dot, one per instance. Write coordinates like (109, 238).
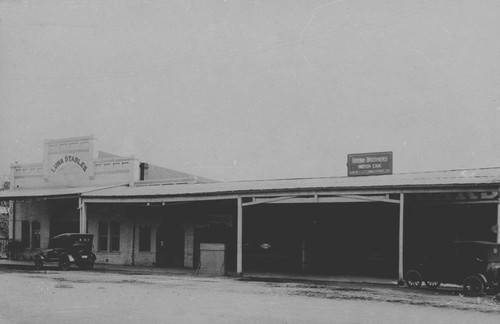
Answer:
(498, 217)
(265, 201)
(83, 215)
(376, 199)
(133, 239)
(13, 237)
(316, 199)
(401, 232)
(239, 247)
(143, 200)
(456, 202)
(271, 193)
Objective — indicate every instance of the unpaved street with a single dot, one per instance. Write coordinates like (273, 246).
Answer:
(52, 296)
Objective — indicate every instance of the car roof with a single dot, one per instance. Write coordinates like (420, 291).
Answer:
(477, 243)
(71, 235)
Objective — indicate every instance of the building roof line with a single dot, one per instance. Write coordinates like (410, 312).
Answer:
(381, 175)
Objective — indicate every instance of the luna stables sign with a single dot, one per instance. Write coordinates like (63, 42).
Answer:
(69, 159)
(364, 164)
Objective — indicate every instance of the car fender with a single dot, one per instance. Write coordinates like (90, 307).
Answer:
(40, 256)
(483, 278)
(67, 256)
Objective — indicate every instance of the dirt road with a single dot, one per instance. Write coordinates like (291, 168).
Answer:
(102, 297)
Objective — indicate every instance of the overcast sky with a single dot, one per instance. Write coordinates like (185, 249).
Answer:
(254, 89)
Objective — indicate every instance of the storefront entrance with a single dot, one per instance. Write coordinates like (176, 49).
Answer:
(170, 244)
(64, 216)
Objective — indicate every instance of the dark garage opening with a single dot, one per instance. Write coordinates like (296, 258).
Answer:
(328, 239)
(430, 227)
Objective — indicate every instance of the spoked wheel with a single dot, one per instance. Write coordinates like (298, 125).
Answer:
(432, 284)
(413, 279)
(38, 264)
(64, 264)
(473, 286)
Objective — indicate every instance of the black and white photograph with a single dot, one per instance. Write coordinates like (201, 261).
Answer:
(249, 161)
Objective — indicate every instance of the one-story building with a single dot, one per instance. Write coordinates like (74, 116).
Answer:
(366, 225)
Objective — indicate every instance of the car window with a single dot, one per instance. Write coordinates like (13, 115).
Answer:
(55, 243)
(494, 254)
(82, 239)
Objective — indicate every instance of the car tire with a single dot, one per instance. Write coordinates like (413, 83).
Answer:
(64, 264)
(38, 263)
(473, 286)
(413, 279)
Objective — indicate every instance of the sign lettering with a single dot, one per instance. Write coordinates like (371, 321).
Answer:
(364, 164)
(66, 159)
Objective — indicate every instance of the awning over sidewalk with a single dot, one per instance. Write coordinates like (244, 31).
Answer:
(404, 182)
(48, 192)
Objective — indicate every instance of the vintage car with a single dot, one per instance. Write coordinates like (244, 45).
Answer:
(66, 249)
(473, 264)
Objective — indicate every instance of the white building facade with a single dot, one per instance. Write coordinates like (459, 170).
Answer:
(142, 214)
(50, 203)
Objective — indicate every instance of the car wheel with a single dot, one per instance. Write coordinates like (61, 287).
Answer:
(432, 284)
(38, 263)
(64, 264)
(473, 286)
(413, 279)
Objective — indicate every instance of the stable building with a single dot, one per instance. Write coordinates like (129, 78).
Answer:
(374, 226)
(46, 196)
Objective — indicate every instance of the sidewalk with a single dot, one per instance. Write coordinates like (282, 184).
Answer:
(136, 270)
(283, 277)
(250, 276)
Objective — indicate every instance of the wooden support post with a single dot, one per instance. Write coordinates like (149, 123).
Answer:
(133, 239)
(83, 216)
(401, 230)
(304, 264)
(498, 219)
(13, 236)
(239, 255)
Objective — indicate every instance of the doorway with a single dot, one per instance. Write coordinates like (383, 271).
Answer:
(64, 216)
(170, 244)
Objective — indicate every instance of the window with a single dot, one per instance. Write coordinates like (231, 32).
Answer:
(25, 234)
(35, 235)
(103, 236)
(109, 236)
(115, 236)
(144, 238)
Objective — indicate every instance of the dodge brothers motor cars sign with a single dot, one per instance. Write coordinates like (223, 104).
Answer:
(364, 164)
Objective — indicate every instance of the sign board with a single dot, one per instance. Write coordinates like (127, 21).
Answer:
(365, 164)
(69, 161)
